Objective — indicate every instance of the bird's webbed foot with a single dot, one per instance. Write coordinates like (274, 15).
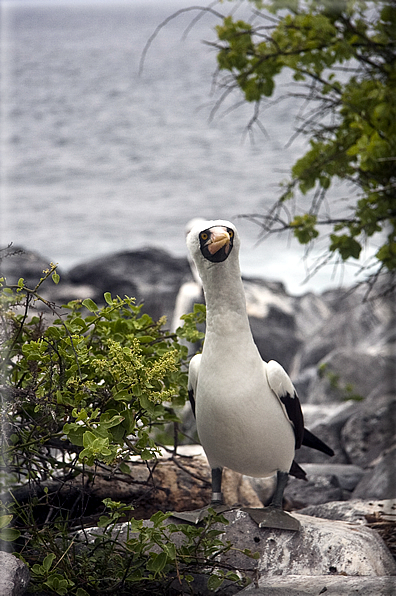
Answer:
(217, 503)
(198, 515)
(273, 516)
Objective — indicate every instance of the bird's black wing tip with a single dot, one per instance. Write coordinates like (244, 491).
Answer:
(192, 400)
(294, 412)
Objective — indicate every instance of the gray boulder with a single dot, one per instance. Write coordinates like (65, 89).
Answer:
(275, 337)
(379, 480)
(370, 430)
(326, 482)
(348, 476)
(348, 321)
(354, 511)
(327, 421)
(65, 292)
(310, 311)
(348, 371)
(324, 547)
(319, 488)
(328, 585)
(14, 576)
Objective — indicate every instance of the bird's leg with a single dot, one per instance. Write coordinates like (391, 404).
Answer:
(277, 497)
(217, 495)
(273, 516)
(216, 503)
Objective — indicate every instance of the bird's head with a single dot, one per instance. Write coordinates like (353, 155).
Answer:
(212, 242)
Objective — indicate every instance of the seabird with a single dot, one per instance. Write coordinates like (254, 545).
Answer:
(248, 415)
(190, 292)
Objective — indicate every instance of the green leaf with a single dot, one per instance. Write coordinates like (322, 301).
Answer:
(47, 563)
(233, 576)
(37, 569)
(90, 305)
(114, 421)
(159, 517)
(145, 339)
(158, 562)
(189, 578)
(5, 520)
(55, 277)
(170, 549)
(88, 438)
(104, 521)
(124, 468)
(75, 433)
(304, 228)
(9, 534)
(249, 553)
(108, 298)
(345, 245)
(215, 581)
(53, 332)
(387, 255)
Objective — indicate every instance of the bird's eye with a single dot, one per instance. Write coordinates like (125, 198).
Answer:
(230, 233)
(204, 236)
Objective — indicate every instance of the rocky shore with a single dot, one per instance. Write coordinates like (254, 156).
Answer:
(340, 351)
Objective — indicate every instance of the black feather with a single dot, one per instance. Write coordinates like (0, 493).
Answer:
(294, 412)
(302, 435)
(297, 471)
(310, 440)
(192, 400)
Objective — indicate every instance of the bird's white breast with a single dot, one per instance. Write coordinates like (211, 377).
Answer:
(240, 422)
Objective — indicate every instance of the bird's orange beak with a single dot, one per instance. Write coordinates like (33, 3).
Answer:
(219, 237)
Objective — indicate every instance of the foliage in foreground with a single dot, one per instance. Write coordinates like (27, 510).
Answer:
(341, 57)
(135, 557)
(85, 387)
(95, 384)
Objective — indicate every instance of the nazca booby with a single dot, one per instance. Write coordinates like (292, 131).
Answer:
(248, 415)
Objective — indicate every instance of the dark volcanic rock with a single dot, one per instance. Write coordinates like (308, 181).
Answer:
(149, 275)
(319, 488)
(272, 321)
(326, 421)
(275, 337)
(17, 262)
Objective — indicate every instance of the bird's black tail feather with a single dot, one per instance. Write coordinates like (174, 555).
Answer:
(297, 471)
(310, 440)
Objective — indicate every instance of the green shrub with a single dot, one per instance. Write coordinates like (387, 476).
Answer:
(96, 383)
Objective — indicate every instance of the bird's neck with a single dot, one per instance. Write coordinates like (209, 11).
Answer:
(225, 302)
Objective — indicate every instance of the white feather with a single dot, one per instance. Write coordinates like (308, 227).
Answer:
(279, 380)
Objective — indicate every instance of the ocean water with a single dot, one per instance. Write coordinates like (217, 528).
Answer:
(97, 158)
